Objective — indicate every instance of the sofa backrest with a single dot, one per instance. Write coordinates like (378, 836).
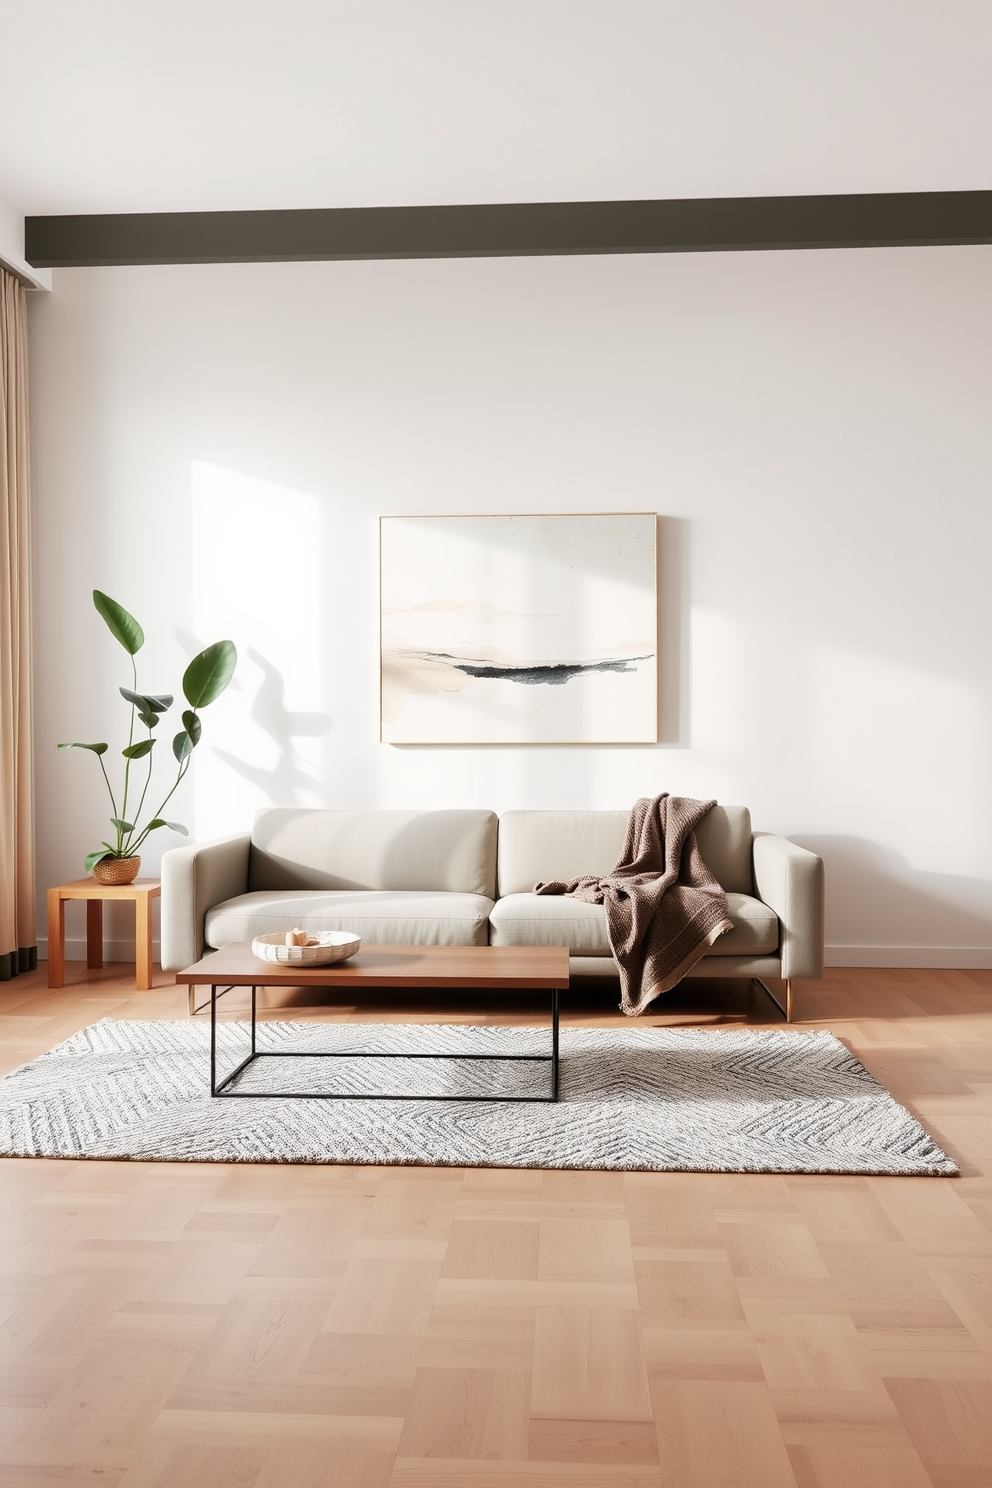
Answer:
(386, 850)
(536, 845)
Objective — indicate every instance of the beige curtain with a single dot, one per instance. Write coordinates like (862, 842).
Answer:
(18, 951)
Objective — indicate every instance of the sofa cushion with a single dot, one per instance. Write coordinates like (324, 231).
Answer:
(553, 920)
(440, 851)
(549, 920)
(543, 845)
(539, 846)
(755, 931)
(724, 841)
(379, 918)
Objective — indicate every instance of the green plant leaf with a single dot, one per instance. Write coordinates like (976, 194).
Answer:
(139, 750)
(149, 719)
(152, 702)
(96, 748)
(122, 626)
(95, 857)
(209, 673)
(192, 725)
(160, 821)
(122, 826)
(182, 745)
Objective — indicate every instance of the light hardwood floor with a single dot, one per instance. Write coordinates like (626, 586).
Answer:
(205, 1326)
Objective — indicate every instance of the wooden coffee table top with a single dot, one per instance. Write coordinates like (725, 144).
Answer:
(390, 966)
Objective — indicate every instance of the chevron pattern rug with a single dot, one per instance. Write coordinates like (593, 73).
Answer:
(739, 1101)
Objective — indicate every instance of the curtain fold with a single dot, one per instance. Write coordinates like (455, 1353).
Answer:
(18, 951)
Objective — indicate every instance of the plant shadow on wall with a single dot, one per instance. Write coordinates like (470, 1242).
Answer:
(290, 777)
(206, 677)
(882, 902)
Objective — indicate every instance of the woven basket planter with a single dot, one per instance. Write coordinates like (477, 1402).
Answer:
(116, 870)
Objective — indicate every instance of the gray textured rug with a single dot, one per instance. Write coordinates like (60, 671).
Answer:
(741, 1101)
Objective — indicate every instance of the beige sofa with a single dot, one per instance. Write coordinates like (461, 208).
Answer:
(466, 878)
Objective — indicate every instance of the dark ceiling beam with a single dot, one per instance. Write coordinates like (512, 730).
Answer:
(722, 224)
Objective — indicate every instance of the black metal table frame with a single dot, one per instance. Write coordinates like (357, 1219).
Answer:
(222, 1087)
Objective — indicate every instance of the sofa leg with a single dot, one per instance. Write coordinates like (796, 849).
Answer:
(784, 1008)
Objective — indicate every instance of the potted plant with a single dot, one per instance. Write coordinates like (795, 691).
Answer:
(204, 680)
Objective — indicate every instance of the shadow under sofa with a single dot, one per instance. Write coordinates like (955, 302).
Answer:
(466, 877)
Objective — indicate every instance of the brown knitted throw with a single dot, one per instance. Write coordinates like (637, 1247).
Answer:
(664, 908)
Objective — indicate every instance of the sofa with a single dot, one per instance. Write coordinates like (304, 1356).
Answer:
(466, 877)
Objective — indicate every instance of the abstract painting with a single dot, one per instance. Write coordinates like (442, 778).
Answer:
(519, 629)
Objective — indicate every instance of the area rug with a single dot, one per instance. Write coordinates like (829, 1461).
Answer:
(738, 1101)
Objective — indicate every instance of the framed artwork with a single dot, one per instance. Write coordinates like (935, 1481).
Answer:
(519, 629)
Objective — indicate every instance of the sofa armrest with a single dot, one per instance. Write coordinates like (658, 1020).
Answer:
(194, 879)
(789, 879)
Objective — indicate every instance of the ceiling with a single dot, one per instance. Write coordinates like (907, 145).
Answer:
(195, 105)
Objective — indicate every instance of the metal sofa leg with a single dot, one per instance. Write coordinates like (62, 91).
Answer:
(785, 1009)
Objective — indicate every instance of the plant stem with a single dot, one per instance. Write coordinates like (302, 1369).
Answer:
(127, 762)
(110, 791)
(148, 781)
(182, 771)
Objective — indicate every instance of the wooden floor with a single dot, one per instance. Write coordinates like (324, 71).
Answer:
(203, 1326)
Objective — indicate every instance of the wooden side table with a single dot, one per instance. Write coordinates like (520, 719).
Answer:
(142, 892)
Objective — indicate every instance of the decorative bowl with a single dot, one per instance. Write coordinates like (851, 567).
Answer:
(334, 945)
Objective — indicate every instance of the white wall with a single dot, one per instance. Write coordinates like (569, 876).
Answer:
(329, 103)
(214, 445)
(12, 249)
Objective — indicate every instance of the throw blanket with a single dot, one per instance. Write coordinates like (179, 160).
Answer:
(664, 908)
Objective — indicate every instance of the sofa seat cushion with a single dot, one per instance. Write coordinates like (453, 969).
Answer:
(400, 918)
(553, 920)
(755, 931)
(549, 920)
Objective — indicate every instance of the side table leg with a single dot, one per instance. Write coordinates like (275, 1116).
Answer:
(94, 934)
(56, 939)
(143, 942)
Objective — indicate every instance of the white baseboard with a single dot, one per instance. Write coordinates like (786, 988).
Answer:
(113, 950)
(929, 958)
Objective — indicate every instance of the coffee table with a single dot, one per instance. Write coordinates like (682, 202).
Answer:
(375, 967)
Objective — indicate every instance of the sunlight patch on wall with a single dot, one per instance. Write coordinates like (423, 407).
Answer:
(257, 577)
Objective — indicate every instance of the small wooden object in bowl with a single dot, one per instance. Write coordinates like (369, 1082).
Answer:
(323, 948)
